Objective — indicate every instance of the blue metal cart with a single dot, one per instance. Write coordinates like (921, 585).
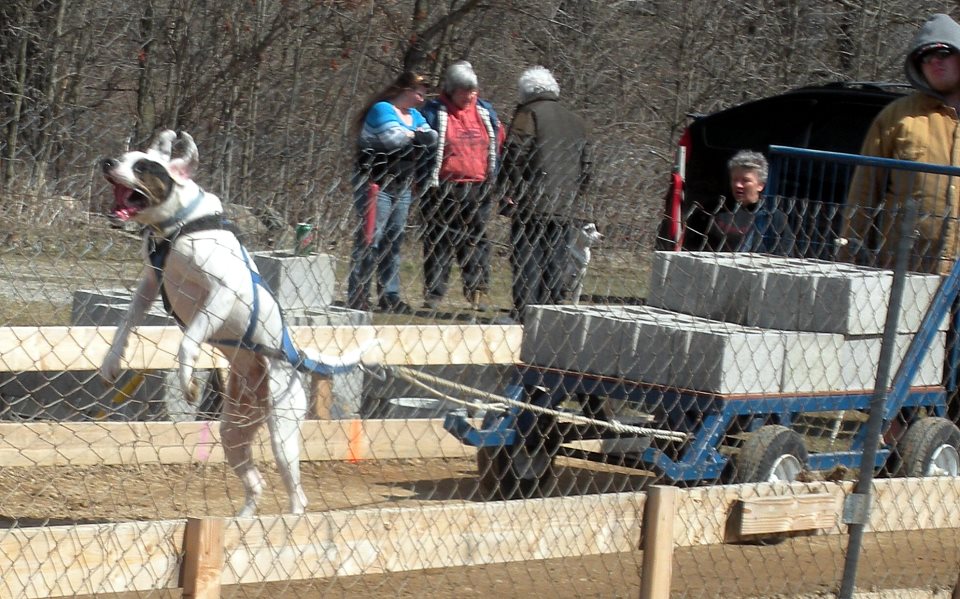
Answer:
(706, 437)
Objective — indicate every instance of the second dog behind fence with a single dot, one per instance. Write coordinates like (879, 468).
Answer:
(579, 251)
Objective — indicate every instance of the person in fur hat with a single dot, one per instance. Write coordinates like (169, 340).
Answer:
(545, 171)
(457, 203)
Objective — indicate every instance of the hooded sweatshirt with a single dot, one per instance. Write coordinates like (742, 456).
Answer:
(920, 127)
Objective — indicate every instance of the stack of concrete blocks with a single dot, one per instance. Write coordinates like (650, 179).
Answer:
(304, 286)
(741, 324)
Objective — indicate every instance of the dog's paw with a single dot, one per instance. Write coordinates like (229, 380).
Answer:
(191, 387)
(110, 369)
(192, 392)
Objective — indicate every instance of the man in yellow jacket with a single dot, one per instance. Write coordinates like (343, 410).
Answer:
(921, 127)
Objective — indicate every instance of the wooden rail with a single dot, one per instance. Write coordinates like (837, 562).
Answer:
(143, 556)
(155, 348)
(117, 443)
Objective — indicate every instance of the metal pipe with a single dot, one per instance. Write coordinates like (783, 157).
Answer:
(875, 422)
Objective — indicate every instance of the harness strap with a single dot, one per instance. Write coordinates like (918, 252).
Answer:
(287, 350)
(158, 257)
(181, 214)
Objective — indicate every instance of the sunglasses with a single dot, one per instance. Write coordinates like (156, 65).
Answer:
(939, 53)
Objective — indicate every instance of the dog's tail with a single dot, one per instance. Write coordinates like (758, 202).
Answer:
(317, 363)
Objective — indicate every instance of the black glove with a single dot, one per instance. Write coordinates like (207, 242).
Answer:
(425, 137)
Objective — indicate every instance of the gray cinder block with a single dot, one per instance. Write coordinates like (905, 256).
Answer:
(918, 292)
(647, 341)
(812, 362)
(852, 303)
(298, 282)
(683, 281)
(860, 360)
(727, 358)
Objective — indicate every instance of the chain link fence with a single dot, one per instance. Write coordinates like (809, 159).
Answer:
(523, 444)
(493, 440)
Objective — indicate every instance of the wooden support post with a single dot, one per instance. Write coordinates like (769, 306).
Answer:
(321, 396)
(956, 589)
(658, 517)
(203, 558)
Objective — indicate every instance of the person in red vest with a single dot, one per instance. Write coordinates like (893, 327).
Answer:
(457, 202)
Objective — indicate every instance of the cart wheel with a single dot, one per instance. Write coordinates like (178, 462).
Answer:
(773, 453)
(514, 473)
(929, 448)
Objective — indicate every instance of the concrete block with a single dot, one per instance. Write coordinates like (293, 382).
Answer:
(851, 303)
(727, 358)
(683, 281)
(918, 292)
(556, 340)
(347, 388)
(596, 335)
(646, 343)
(109, 307)
(860, 360)
(812, 362)
(930, 371)
(298, 282)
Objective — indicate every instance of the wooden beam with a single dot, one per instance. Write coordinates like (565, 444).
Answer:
(91, 559)
(202, 558)
(31, 444)
(95, 559)
(155, 348)
(658, 543)
(703, 512)
(374, 541)
(786, 513)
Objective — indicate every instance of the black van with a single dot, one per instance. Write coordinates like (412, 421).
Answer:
(833, 117)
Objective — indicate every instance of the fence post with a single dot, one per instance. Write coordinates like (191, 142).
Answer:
(203, 558)
(658, 517)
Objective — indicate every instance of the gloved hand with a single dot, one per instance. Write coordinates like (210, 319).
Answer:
(425, 137)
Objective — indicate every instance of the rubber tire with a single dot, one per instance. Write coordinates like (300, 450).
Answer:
(498, 479)
(760, 452)
(922, 440)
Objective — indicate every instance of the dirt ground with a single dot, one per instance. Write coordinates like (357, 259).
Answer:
(808, 566)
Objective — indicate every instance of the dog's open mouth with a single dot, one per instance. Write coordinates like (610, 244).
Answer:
(127, 202)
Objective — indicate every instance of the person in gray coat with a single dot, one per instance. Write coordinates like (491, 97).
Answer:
(545, 172)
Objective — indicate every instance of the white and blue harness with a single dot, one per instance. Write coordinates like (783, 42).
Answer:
(159, 248)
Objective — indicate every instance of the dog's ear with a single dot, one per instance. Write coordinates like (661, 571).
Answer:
(185, 164)
(163, 143)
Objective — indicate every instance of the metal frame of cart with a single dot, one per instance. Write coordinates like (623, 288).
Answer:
(516, 446)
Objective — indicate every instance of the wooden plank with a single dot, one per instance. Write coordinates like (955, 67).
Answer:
(703, 512)
(202, 558)
(91, 559)
(110, 443)
(915, 504)
(155, 348)
(659, 517)
(372, 541)
(321, 397)
(787, 513)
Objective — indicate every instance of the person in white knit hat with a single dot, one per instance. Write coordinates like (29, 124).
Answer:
(457, 202)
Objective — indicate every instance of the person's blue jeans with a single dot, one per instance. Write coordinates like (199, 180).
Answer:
(383, 254)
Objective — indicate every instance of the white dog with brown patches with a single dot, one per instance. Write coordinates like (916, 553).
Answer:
(212, 287)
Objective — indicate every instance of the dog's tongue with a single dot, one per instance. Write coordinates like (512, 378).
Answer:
(121, 209)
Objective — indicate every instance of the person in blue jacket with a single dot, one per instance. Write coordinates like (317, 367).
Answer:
(392, 137)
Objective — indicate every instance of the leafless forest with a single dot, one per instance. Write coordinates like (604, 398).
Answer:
(268, 88)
